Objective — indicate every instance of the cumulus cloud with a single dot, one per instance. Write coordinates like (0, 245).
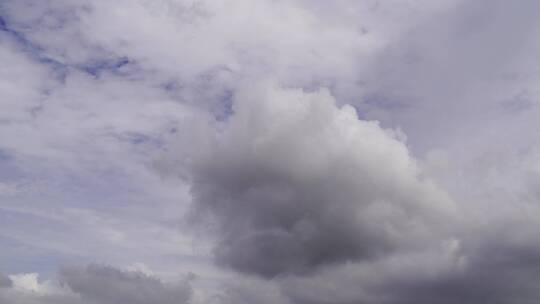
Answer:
(294, 182)
(95, 284)
(25, 288)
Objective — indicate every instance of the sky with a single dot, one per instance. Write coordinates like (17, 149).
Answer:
(269, 151)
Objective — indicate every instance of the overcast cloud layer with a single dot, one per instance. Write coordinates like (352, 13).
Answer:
(257, 151)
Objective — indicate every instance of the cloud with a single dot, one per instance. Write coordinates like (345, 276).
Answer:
(308, 200)
(466, 64)
(5, 281)
(101, 284)
(499, 271)
(247, 290)
(63, 150)
(27, 281)
(102, 94)
(293, 182)
(16, 297)
(95, 284)
(25, 288)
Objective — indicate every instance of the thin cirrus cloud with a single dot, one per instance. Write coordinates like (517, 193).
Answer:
(291, 152)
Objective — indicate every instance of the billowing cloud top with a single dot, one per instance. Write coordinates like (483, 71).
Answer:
(295, 182)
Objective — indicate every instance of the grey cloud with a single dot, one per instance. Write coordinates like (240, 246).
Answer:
(486, 271)
(97, 284)
(10, 294)
(332, 208)
(5, 281)
(458, 48)
(456, 65)
(500, 273)
(294, 182)
(107, 285)
(18, 297)
(249, 290)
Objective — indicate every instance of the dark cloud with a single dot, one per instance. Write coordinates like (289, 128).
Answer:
(294, 182)
(501, 264)
(107, 285)
(495, 271)
(501, 273)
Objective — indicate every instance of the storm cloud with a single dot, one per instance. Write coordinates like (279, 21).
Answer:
(295, 182)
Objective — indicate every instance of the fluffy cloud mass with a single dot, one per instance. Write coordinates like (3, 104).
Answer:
(258, 151)
(295, 182)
